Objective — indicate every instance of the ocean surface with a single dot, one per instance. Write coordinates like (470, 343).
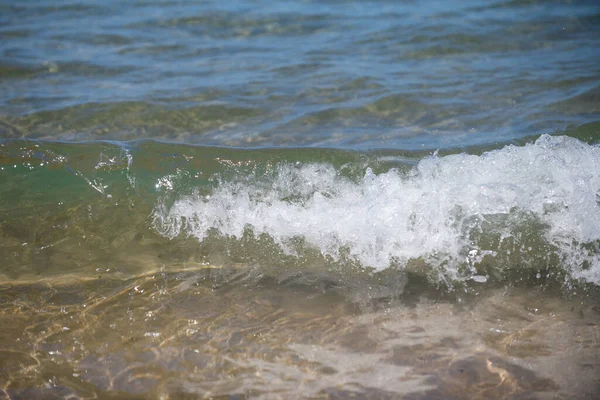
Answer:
(312, 200)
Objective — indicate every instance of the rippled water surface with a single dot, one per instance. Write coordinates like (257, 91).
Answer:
(200, 334)
(321, 200)
(336, 73)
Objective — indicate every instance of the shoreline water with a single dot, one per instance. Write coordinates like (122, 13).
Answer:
(375, 199)
(199, 334)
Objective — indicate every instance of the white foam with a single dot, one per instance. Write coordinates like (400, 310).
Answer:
(425, 214)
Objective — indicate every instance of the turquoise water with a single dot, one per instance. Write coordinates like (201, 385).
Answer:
(299, 200)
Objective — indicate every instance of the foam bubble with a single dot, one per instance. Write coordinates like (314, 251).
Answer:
(432, 213)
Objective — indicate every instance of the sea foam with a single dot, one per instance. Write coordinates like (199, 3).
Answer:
(435, 212)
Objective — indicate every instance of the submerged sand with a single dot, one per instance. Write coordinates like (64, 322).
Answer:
(211, 333)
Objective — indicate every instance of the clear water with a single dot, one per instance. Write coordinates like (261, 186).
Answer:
(300, 200)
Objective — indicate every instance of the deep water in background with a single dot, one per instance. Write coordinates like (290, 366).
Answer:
(399, 74)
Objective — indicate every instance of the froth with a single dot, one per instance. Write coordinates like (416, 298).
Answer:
(431, 213)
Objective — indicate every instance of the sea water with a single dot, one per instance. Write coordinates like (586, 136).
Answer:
(300, 200)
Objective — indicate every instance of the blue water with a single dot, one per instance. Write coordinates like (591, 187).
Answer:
(405, 75)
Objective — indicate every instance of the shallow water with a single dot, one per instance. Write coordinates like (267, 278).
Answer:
(234, 334)
(334, 199)
(211, 272)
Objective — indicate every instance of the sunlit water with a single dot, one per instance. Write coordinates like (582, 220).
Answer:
(198, 334)
(336, 73)
(169, 271)
(316, 200)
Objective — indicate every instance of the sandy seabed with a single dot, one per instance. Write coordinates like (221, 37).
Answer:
(207, 334)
